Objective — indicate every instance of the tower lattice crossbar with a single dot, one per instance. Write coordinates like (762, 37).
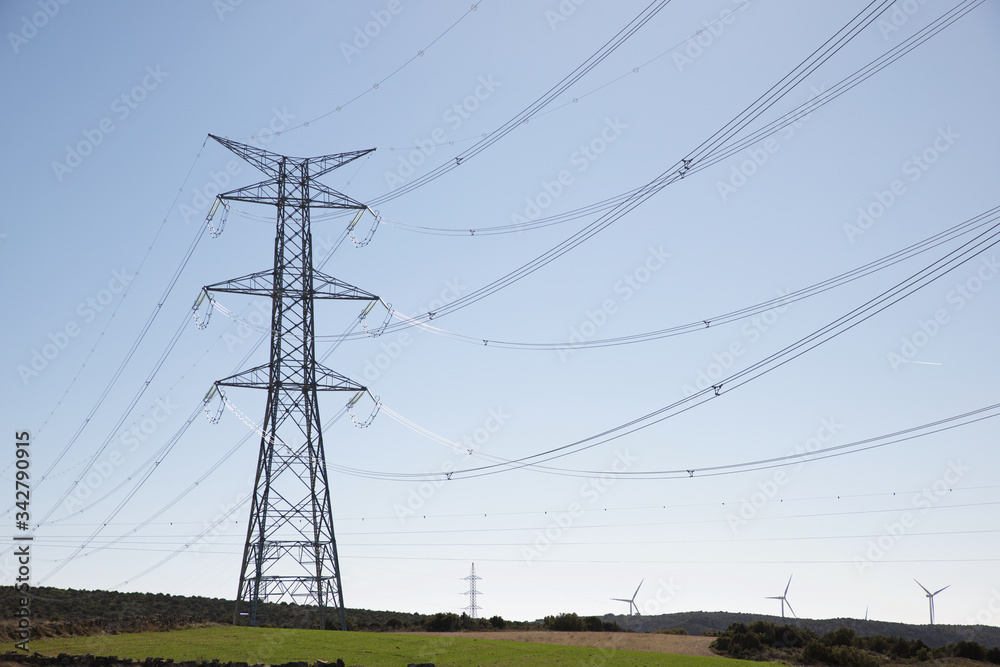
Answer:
(473, 608)
(291, 553)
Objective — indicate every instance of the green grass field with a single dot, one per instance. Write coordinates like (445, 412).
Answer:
(273, 646)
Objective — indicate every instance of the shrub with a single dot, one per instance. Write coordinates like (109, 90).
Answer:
(443, 622)
(970, 650)
(839, 637)
(564, 623)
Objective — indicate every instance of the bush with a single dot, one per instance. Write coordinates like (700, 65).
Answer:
(672, 631)
(564, 623)
(816, 651)
(498, 622)
(839, 637)
(592, 624)
(970, 650)
(443, 622)
(739, 642)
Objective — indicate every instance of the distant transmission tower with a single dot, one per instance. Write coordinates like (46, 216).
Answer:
(290, 553)
(473, 608)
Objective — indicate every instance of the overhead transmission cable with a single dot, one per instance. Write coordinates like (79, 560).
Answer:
(939, 268)
(797, 114)
(983, 219)
(679, 170)
(535, 107)
(130, 353)
(377, 84)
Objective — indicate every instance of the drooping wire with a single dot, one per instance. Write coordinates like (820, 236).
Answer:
(535, 107)
(926, 276)
(113, 318)
(681, 168)
(963, 228)
(377, 84)
(799, 113)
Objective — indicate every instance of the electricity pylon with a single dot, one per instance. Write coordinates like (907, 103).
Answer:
(473, 608)
(290, 552)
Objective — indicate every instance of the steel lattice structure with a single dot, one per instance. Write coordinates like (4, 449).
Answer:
(473, 608)
(291, 552)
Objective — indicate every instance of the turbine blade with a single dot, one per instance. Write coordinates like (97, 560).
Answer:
(790, 608)
(788, 584)
(922, 586)
(637, 588)
(939, 590)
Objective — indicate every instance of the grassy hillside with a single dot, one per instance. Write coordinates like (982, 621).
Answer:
(270, 646)
(712, 622)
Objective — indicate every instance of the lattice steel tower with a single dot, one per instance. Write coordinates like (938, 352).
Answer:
(473, 608)
(290, 552)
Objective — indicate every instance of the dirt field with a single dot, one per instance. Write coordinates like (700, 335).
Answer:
(626, 641)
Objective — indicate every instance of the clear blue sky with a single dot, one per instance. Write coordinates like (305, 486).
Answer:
(108, 107)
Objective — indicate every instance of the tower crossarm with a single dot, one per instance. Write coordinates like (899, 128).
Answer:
(261, 283)
(270, 192)
(259, 377)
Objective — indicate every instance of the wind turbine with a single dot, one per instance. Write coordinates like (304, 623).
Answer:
(930, 597)
(631, 601)
(784, 599)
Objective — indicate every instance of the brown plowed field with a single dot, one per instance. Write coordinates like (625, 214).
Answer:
(626, 641)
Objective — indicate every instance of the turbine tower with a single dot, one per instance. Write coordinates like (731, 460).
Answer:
(930, 597)
(290, 552)
(631, 600)
(473, 608)
(784, 599)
